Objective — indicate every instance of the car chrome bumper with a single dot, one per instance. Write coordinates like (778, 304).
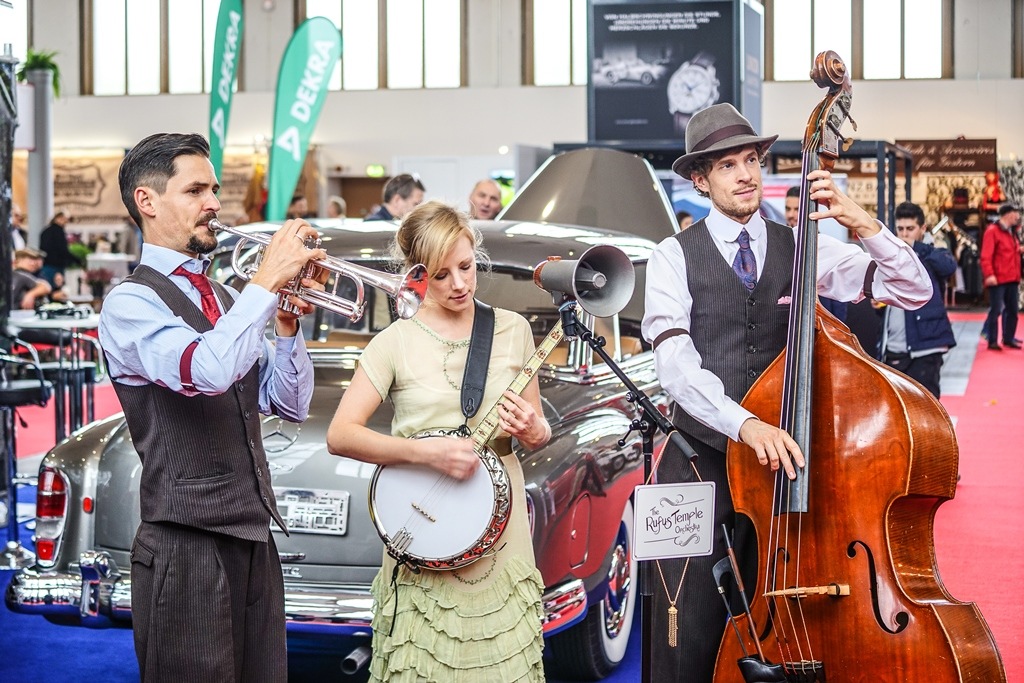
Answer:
(564, 605)
(99, 595)
(96, 595)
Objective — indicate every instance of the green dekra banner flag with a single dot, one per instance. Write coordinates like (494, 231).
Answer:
(308, 61)
(227, 43)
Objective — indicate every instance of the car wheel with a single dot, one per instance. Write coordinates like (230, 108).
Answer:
(646, 78)
(592, 649)
(612, 78)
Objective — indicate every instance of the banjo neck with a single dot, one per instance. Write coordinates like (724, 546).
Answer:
(484, 432)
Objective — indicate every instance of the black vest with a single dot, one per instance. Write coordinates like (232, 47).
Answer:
(203, 463)
(737, 333)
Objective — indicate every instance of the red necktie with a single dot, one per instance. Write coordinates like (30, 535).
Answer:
(202, 283)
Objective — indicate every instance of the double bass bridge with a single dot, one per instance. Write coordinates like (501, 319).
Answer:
(836, 590)
(806, 671)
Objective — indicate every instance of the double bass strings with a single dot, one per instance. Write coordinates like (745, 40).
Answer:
(788, 496)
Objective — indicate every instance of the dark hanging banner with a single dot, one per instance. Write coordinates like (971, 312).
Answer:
(952, 157)
(654, 65)
(752, 39)
(8, 122)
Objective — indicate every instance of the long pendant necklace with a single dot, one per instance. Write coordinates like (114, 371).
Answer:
(673, 612)
(673, 625)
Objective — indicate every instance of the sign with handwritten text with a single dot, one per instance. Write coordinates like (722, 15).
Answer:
(952, 157)
(674, 520)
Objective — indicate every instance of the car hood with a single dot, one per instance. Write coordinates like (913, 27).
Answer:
(597, 188)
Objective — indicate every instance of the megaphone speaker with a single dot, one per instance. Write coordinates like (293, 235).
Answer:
(601, 280)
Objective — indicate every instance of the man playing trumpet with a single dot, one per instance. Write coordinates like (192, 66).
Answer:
(193, 371)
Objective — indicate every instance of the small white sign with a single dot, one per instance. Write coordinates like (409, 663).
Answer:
(25, 133)
(674, 520)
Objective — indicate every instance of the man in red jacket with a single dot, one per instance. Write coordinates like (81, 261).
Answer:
(1000, 266)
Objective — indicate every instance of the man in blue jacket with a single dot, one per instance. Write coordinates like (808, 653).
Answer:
(914, 342)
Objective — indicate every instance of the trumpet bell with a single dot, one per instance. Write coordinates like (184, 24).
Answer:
(412, 292)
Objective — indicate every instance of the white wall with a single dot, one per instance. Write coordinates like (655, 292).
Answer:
(982, 39)
(358, 128)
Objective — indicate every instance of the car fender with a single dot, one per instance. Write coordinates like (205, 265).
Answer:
(78, 457)
(589, 479)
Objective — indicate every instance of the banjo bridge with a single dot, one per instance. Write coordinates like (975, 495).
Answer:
(423, 512)
(402, 540)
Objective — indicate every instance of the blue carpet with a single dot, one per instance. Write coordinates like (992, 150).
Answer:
(65, 654)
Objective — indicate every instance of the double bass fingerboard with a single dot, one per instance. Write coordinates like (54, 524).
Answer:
(484, 432)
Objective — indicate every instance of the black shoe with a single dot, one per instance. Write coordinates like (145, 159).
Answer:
(1013, 344)
(992, 346)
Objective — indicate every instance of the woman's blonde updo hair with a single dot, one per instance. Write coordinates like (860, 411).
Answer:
(429, 232)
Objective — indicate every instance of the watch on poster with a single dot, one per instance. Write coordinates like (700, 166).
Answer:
(694, 86)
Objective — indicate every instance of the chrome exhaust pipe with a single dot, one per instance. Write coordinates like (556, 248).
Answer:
(356, 660)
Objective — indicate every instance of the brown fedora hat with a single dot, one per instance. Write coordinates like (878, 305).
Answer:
(716, 129)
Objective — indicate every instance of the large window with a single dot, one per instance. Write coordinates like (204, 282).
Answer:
(394, 43)
(878, 39)
(14, 24)
(170, 51)
(556, 42)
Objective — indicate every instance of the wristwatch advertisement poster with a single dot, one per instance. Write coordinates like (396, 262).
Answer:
(656, 64)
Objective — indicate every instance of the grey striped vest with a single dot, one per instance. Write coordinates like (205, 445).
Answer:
(203, 463)
(737, 333)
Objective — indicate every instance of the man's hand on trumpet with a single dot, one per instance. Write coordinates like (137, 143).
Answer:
(287, 321)
(283, 259)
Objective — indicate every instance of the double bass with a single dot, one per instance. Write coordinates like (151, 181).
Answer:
(847, 588)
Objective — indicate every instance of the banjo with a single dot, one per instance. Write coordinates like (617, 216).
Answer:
(428, 519)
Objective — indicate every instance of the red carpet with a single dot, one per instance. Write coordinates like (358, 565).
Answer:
(40, 434)
(977, 544)
(979, 553)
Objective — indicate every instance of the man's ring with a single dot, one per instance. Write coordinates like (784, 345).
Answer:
(300, 238)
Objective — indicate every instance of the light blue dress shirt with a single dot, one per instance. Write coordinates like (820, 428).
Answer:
(144, 342)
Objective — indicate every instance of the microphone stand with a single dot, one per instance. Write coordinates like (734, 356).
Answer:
(651, 421)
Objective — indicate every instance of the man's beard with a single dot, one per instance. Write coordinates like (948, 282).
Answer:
(736, 209)
(197, 245)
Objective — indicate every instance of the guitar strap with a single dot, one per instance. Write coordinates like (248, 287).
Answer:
(477, 361)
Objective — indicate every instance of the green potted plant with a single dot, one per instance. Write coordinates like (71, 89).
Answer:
(41, 60)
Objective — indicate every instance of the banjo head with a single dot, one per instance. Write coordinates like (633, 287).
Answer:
(432, 520)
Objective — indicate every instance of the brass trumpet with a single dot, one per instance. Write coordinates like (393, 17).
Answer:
(407, 290)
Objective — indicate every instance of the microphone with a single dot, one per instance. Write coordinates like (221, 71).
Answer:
(601, 280)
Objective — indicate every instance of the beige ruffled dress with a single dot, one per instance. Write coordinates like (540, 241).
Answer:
(480, 623)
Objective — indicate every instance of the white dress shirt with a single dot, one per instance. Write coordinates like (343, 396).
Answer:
(900, 280)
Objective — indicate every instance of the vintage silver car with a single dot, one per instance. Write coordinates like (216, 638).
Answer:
(633, 70)
(579, 486)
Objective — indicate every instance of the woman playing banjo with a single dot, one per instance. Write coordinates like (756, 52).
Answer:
(480, 622)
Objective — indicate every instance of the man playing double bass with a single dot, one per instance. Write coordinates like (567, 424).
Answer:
(717, 309)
